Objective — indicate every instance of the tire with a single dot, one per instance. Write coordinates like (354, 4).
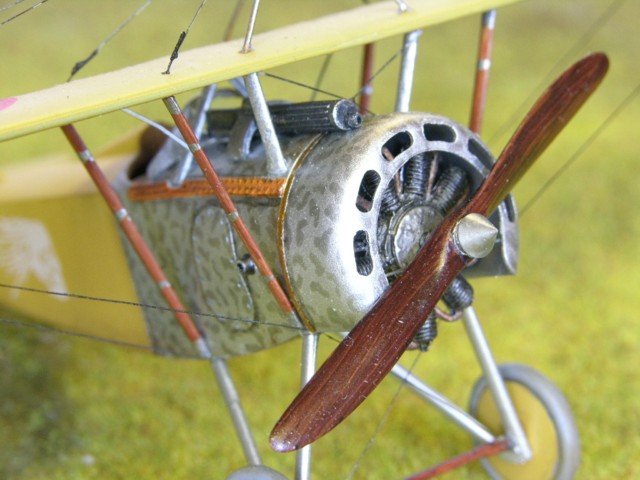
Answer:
(547, 421)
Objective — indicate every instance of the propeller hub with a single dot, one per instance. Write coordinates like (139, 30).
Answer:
(411, 231)
(475, 235)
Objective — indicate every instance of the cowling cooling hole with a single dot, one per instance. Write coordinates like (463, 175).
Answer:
(480, 152)
(367, 190)
(396, 145)
(362, 253)
(436, 132)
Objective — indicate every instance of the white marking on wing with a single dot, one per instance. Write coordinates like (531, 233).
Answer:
(26, 249)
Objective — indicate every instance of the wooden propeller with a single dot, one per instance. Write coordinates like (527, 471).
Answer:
(373, 347)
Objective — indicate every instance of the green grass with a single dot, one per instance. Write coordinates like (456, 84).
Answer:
(76, 409)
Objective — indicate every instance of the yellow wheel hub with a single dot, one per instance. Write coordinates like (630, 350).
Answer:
(538, 426)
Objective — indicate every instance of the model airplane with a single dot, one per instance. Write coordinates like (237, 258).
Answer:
(276, 219)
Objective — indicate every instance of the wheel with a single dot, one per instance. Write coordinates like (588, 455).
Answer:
(547, 421)
(256, 473)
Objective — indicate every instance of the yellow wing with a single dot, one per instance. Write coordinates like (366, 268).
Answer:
(196, 68)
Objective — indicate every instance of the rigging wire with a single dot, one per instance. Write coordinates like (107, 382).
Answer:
(59, 331)
(586, 144)
(82, 63)
(204, 315)
(19, 14)
(321, 75)
(315, 88)
(383, 419)
(10, 5)
(233, 20)
(182, 37)
(157, 126)
(568, 57)
(302, 85)
(370, 80)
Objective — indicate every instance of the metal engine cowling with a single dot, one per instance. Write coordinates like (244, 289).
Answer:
(360, 204)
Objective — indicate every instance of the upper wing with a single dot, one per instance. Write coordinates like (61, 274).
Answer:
(85, 98)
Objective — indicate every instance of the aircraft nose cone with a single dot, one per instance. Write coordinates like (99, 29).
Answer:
(475, 235)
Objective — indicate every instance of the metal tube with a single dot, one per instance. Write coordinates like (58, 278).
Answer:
(402, 6)
(136, 240)
(367, 72)
(444, 405)
(483, 67)
(513, 428)
(232, 400)
(276, 164)
(247, 47)
(228, 206)
(307, 369)
(407, 70)
(199, 122)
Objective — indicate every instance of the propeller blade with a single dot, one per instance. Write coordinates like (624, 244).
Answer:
(373, 347)
(553, 110)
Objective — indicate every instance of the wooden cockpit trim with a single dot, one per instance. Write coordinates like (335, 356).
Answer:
(236, 186)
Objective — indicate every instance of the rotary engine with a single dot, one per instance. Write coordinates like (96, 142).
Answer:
(359, 201)
(361, 204)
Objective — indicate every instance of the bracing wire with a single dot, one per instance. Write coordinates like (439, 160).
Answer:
(58, 331)
(583, 147)
(375, 74)
(10, 5)
(321, 75)
(382, 421)
(19, 14)
(566, 58)
(157, 126)
(205, 315)
(313, 89)
(82, 63)
(182, 37)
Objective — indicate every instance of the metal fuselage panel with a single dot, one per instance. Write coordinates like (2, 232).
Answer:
(202, 257)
